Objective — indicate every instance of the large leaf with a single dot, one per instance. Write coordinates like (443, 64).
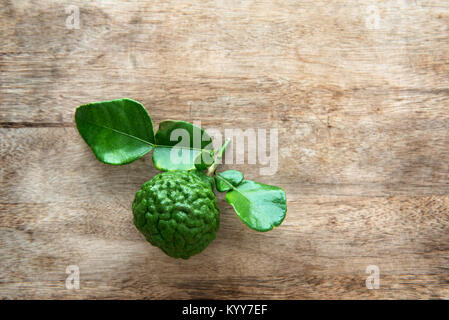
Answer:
(261, 207)
(118, 131)
(178, 143)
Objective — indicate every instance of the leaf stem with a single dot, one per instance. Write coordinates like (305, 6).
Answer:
(217, 157)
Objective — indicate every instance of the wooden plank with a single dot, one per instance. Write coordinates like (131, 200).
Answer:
(357, 162)
(314, 60)
(321, 251)
(358, 91)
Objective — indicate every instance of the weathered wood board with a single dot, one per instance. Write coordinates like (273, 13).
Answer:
(359, 93)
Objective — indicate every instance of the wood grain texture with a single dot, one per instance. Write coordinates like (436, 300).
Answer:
(359, 93)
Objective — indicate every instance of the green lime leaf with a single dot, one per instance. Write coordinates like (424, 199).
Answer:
(229, 179)
(261, 207)
(178, 143)
(118, 131)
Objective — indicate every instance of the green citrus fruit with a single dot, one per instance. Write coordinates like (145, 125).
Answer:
(177, 211)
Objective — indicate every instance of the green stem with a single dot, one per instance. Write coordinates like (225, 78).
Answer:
(218, 155)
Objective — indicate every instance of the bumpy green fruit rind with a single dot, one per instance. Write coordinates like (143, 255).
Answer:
(177, 211)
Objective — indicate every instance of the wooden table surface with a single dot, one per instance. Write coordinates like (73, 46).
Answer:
(359, 93)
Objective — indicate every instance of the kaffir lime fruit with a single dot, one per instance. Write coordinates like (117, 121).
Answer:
(177, 211)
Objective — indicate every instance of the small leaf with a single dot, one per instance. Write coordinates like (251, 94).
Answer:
(261, 207)
(118, 131)
(228, 179)
(204, 159)
(178, 143)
